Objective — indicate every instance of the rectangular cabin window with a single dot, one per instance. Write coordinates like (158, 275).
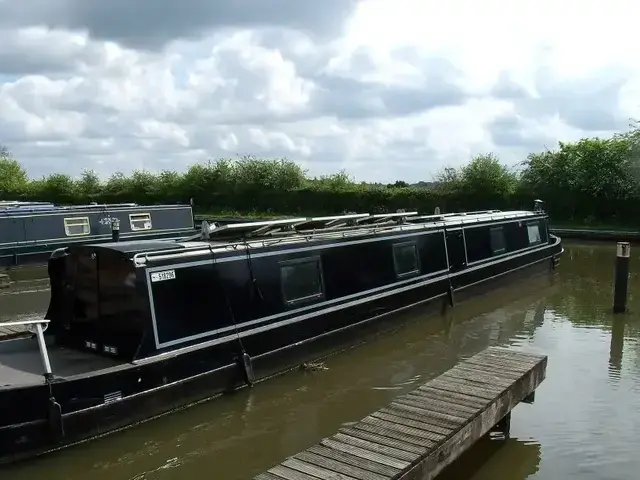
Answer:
(140, 221)
(405, 259)
(77, 226)
(497, 240)
(301, 280)
(533, 230)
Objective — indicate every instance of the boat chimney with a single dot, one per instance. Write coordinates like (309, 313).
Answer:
(537, 205)
(204, 230)
(115, 229)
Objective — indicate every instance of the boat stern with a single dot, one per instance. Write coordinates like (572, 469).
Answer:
(99, 298)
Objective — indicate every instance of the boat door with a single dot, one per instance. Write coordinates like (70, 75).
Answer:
(456, 249)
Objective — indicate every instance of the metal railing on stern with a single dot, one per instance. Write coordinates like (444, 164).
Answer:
(36, 327)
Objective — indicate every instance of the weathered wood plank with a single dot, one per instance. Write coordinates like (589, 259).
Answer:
(440, 401)
(439, 404)
(480, 378)
(392, 433)
(423, 431)
(417, 412)
(267, 476)
(510, 373)
(454, 397)
(499, 362)
(442, 420)
(355, 460)
(464, 387)
(337, 466)
(286, 473)
(429, 431)
(477, 387)
(380, 444)
(315, 471)
(382, 459)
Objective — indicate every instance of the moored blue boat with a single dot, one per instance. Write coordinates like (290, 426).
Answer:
(30, 231)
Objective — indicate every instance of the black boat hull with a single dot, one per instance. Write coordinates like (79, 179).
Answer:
(160, 385)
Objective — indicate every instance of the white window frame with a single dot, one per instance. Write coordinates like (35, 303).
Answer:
(146, 217)
(537, 226)
(500, 251)
(309, 298)
(416, 255)
(75, 222)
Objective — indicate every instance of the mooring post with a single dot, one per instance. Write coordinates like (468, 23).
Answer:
(623, 254)
(115, 229)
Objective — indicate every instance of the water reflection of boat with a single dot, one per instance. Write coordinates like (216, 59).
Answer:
(140, 328)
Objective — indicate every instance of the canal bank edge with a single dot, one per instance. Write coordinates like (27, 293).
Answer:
(596, 234)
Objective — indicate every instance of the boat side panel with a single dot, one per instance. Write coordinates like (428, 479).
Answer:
(513, 238)
(29, 239)
(193, 302)
(45, 227)
(187, 299)
(11, 230)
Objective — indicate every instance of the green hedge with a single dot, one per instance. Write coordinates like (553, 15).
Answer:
(588, 182)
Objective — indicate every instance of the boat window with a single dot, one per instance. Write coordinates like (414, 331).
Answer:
(140, 221)
(533, 229)
(76, 226)
(497, 240)
(301, 280)
(405, 258)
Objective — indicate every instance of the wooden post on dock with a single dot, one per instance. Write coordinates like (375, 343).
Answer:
(623, 254)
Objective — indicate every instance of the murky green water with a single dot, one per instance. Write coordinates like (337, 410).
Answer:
(585, 422)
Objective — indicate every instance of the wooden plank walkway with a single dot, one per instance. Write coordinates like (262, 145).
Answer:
(422, 432)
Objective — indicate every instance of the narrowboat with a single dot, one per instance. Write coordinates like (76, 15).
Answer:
(31, 231)
(137, 329)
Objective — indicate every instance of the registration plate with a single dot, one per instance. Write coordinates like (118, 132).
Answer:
(162, 276)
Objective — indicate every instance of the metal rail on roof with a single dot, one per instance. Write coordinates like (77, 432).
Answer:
(269, 232)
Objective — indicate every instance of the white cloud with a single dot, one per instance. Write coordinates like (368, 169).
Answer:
(386, 90)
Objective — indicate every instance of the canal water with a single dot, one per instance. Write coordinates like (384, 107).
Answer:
(585, 421)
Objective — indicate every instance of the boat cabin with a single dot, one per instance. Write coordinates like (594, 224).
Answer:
(142, 298)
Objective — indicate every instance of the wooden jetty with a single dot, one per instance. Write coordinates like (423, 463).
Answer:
(422, 432)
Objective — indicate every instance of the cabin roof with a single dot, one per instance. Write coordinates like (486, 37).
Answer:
(462, 218)
(43, 208)
(426, 222)
(132, 246)
(285, 231)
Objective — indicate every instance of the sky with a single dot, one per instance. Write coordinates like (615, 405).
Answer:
(385, 90)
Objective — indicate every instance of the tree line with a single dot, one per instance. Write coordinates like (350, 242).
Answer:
(591, 181)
